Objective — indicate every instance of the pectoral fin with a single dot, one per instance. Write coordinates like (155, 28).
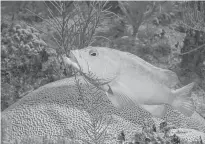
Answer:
(107, 89)
(119, 96)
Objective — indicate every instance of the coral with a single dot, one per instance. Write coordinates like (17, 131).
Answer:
(63, 110)
(188, 135)
(24, 60)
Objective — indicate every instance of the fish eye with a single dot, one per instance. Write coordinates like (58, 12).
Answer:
(93, 52)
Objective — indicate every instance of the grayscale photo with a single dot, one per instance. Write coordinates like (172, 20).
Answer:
(102, 72)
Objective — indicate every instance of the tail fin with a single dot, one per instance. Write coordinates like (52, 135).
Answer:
(183, 102)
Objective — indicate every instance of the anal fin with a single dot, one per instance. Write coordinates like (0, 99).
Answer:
(156, 110)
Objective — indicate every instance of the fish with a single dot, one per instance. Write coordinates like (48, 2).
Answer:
(129, 80)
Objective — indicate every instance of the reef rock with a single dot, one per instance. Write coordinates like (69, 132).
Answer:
(74, 111)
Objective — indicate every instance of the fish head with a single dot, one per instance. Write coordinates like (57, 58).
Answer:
(98, 64)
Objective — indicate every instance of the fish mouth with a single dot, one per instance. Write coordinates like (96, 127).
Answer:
(72, 61)
(75, 61)
(73, 58)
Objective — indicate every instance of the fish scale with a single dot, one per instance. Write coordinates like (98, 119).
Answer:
(127, 76)
(55, 111)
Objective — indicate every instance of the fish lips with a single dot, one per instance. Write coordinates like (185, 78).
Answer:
(72, 57)
(72, 61)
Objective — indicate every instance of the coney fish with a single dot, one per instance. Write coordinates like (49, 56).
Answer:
(129, 80)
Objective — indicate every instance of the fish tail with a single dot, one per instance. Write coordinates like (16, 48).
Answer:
(183, 101)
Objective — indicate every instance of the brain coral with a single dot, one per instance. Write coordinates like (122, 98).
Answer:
(188, 135)
(82, 114)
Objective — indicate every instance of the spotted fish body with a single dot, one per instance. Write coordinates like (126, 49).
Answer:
(129, 80)
(56, 110)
